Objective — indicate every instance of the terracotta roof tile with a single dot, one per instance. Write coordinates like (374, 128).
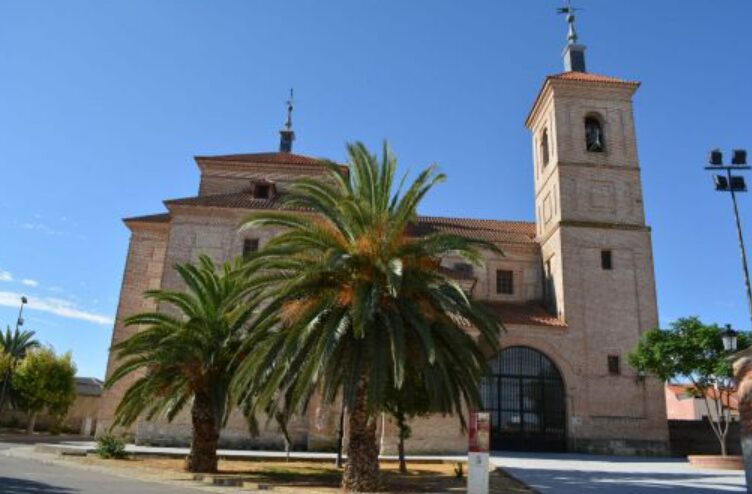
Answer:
(683, 391)
(151, 218)
(88, 386)
(488, 230)
(588, 77)
(271, 158)
(233, 200)
(525, 313)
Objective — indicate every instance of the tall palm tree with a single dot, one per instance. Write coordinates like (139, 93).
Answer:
(13, 348)
(359, 304)
(187, 354)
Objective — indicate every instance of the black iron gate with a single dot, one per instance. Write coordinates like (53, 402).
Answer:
(525, 397)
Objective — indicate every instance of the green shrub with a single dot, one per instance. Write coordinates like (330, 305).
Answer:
(109, 446)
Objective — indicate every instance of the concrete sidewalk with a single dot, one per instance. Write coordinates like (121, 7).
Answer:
(90, 447)
(576, 474)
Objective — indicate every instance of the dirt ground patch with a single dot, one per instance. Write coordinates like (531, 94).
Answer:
(322, 477)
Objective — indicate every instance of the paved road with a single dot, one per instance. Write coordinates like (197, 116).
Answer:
(23, 476)
(583, 474)
(548, 473)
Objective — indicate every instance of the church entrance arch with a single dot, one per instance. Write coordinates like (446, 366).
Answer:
(525, 396)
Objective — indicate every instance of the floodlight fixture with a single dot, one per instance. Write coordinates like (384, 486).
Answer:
(738, 184)
(739, 157)
(715, 157)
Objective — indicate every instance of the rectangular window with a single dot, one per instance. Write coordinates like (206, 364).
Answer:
(613, 365)
(250, 245)
(504, 281)
(606, 260)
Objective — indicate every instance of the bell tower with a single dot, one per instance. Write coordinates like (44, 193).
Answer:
(596, 252)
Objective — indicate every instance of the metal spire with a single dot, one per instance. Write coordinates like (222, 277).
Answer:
(286, 135)
(288, 124)
(572, 32)
(574, 53)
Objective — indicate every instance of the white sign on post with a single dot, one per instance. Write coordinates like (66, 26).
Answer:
(477, 456)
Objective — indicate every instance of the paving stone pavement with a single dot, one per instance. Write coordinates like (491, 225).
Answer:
(578, 474)
(562, 473)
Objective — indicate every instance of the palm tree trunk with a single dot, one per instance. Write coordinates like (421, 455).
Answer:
(203, 455)
(401, 454)
(340, 435)
(6, 386)
(362, 467)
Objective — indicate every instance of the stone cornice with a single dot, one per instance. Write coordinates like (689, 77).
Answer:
(594, 225)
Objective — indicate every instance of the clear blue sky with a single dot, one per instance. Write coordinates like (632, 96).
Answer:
(103, 105)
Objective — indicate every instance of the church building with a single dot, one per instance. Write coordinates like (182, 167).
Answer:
(574, 290)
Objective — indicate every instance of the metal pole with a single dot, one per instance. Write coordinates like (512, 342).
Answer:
(741, 247)
(20, 313)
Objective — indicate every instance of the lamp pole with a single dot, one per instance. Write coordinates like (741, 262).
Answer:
(745, 268)
(733, 184)
(19, 321)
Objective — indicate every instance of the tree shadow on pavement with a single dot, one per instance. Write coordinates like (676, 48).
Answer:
(9, 485)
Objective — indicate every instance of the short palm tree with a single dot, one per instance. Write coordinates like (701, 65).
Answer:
(186, 355)
(13, 348)
(360, 304)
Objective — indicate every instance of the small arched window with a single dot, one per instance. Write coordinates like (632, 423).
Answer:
(594, 140)
(544, 147)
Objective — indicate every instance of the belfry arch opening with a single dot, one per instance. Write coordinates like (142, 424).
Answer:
(595, 141)
(525, 397)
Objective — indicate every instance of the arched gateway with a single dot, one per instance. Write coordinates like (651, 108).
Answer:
(525, 396)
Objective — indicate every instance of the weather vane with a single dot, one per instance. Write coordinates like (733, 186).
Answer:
(569, 11)
(288, 124)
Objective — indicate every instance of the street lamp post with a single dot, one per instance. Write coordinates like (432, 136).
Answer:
(728, 182)
(20, 321)
(729, 339)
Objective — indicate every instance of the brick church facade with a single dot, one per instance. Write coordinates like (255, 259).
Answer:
(575, 289)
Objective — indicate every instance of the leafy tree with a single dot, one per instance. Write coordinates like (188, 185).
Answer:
(13, 348)
(404, 404)
(359, 305)
(45, 381)
(187, 354)
(693, 351)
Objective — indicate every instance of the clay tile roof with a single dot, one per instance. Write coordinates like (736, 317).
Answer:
(488, 230)
(233, 200)
(151, 218)
(684, 391)
(88, 386)
(588, 77)
(271, 158)
(525, 313)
